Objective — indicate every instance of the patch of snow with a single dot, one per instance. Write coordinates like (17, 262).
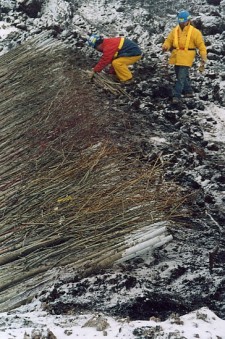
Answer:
(157, 140)
(55, 11)
(27, 320)
(6, 29)
(216, 133)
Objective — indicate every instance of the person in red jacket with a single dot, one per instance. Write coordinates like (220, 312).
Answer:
(118, 52)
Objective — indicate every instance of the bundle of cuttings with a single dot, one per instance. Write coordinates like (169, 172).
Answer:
(103, 81)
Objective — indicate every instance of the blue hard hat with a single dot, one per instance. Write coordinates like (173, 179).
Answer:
(93, 39)
(183, 16)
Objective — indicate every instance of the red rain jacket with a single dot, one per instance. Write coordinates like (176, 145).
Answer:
(110, 48)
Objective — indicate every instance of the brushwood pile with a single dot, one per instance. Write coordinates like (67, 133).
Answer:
(53, 117)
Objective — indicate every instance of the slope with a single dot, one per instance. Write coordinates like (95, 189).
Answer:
(72, 194)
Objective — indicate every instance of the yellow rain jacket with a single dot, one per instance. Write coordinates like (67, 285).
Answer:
(183, 44)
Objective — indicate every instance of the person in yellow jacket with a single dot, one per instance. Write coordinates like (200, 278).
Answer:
(183, 41)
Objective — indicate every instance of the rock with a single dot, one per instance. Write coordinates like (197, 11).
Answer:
(30, 7)
(214, 2)
(50, 335)
(212, 25)
(175, 319)
(36, 334)
(98, 322)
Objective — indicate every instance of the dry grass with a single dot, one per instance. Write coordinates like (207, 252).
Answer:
(69, 194)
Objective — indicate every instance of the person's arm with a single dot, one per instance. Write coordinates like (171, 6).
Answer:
(199, 42)
(109, 50)
(168, 43)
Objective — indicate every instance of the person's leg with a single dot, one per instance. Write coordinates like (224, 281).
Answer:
(187, 85)
(182, 74)
(121, 64)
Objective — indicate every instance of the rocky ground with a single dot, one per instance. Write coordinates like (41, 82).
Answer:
(188, 273)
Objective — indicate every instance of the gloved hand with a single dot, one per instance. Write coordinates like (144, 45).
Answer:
(92, 74)
(164, 48)
(202, 66)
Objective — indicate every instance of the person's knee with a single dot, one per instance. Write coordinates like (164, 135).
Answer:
(115, 63)
(181, 78)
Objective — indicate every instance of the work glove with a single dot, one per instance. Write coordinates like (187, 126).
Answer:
(164, 48)
(202, 66)
(92, 74)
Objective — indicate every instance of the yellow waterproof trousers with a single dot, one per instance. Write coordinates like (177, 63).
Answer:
(121, 64)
